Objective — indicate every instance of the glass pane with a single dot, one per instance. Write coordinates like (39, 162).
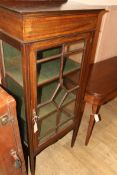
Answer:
(12, 62)
(72, 79)
(48, 52)
(76, 45)
(76, 57)
(13, 70)
(55, 122)
(45, 92)
(48, 125)
(70, 107)
(50, 70)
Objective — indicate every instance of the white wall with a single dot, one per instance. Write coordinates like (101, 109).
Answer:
(97, 2)
(107, 44)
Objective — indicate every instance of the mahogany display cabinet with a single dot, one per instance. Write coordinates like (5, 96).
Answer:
(42, 48)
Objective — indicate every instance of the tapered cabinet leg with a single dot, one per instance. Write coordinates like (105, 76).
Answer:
(32, 165)
(95, 110)
(90, 129)
(75, 131)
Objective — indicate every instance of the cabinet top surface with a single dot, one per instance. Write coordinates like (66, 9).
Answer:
(36, 7)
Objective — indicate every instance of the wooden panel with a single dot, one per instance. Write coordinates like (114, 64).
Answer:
(57, 41)
(11, 23)
(46, 26)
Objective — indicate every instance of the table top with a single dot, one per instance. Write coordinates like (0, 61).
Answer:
(103, 78)
(36, 6)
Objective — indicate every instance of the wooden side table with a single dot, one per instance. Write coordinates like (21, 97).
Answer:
(42, 45)
(102, 87)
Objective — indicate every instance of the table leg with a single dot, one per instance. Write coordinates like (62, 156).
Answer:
(95, 110)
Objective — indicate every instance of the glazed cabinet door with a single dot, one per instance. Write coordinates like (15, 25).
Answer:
(59, 69)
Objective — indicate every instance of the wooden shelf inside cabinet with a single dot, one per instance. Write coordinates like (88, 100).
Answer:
(47, 73)
(40, 55)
